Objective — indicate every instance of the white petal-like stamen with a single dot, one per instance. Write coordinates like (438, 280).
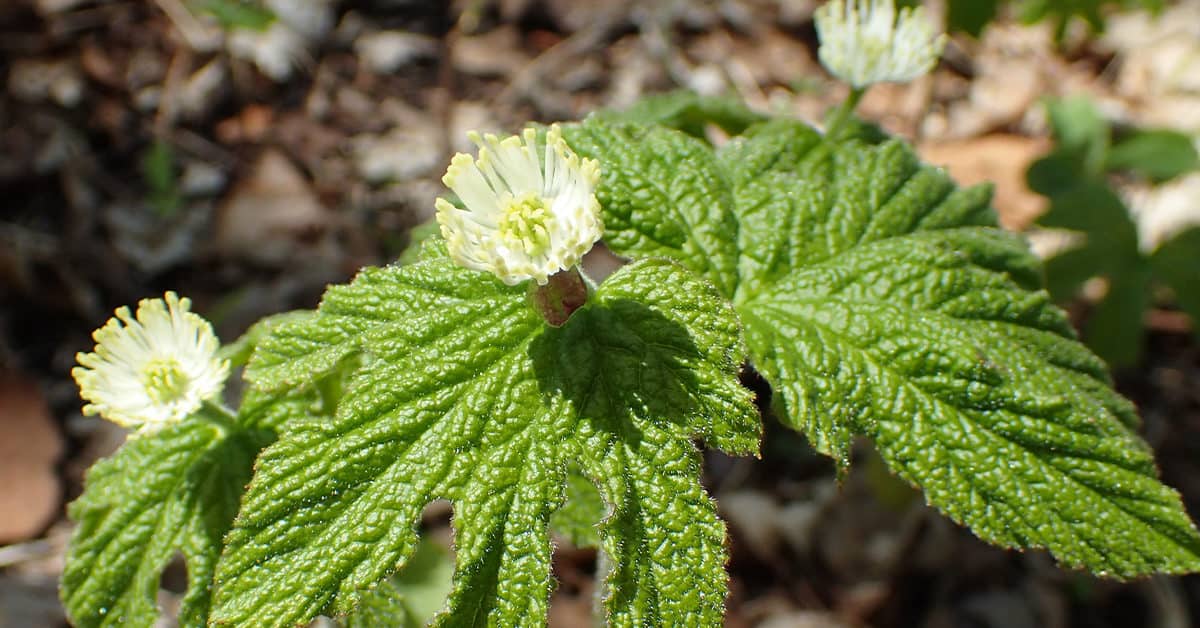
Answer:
(864, 42)
(525, 217)
(148, 371)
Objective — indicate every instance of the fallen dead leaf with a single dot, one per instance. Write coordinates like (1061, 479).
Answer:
(384, 52)
(29, 447)
(251, 124)
(1001, 159)
(1006, 88)
(398, 155)
(494, 53)
(273, 216)
(898, 108)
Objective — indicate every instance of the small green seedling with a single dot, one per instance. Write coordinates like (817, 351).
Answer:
(1075, 176)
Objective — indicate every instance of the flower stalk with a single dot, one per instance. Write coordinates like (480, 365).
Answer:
(563, 293)
(845, 111)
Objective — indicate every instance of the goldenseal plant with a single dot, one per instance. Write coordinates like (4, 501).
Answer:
(176, 483)
(876, 297)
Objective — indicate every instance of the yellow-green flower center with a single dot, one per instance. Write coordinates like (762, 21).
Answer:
(164, 380)
(525, 222)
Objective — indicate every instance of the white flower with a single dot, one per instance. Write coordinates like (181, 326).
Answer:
(863, 42)
(525, 218)
(152, 370)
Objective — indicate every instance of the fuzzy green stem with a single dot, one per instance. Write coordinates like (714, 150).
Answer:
(564, 292)
(844, 112)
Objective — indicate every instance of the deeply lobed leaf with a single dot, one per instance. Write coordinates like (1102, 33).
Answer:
(881, 300)
(173, 491)
(466, 395)
(663, 196)
(899, 320)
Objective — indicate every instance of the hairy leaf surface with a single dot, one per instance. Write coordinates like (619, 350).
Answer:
(663, 196)
(898, 316)
(879, 299)
(466, 395)
(173, 491)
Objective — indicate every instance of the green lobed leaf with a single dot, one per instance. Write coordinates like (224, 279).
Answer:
(174, 491)
(663, 196)
(972, 389)
(903, 271)
(466, 395)
(930, 338)
(881, 300)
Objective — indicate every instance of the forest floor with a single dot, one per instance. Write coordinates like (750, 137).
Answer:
(140, 152)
